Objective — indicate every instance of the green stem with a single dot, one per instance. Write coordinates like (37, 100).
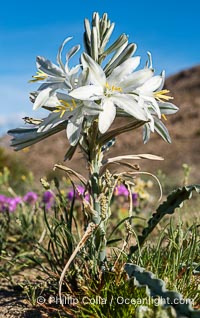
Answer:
(95, 158)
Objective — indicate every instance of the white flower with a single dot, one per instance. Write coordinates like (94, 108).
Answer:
(66, 109)
(155, 101)
(55, 77)
(67, 113)
(114, 90)
(76, 97)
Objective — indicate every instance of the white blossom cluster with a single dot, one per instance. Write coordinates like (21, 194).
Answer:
(95, 90)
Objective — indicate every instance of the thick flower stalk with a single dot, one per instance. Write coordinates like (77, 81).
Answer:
(85, 99)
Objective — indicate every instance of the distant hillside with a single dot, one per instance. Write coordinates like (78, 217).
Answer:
(184, 128)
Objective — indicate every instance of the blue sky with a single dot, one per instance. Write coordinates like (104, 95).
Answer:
(168, 29)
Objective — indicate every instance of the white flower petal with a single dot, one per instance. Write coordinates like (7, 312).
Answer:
(123, 70)
(59, 55)
(55, 84)
(107, 116)
(74, 70)
(91, 112)
(152, 84)
(91, 108)
(72, 52)
(42, 98)
(130, 106)
(88, 92)
(52, 102)
(48, 67)
(162, 130)
(152, 103)
(55, 80)
(52, 121)
(146, 133)
(163, 80)
(64, 97)
(167, 108)
(73, 131)
(97, 75)
(151, 123)
(136, 79)
(83, 78)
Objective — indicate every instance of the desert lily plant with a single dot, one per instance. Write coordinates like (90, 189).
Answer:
(85, 100)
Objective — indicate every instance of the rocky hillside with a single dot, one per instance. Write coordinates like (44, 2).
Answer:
(184, 128)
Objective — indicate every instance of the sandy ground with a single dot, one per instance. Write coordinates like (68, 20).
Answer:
(13, 304)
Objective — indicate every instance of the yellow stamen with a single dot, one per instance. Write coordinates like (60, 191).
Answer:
(65, 106)
(41, 76)
(74, 103)
(107, 85)
(161, 95)
(113, 88)
(164, 117)
(26, 149)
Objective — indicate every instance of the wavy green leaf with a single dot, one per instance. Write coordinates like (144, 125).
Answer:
(156, 287)
(174, 200)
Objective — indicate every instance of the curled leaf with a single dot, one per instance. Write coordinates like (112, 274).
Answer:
(132, 157)
(70, 172)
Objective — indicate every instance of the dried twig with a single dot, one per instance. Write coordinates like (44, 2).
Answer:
(90, 229)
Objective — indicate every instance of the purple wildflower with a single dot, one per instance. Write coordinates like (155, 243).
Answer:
(48, 199)
(9, 204)
(121, 190)
(135, 199)
(81, 190)
(70, 195)
(30, 197)
(12, 203)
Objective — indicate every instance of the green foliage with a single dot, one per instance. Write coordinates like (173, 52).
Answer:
(118, 297)
(175, 258)
(156, 287)
(174, 200)
(19, 232)
(36, 237)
